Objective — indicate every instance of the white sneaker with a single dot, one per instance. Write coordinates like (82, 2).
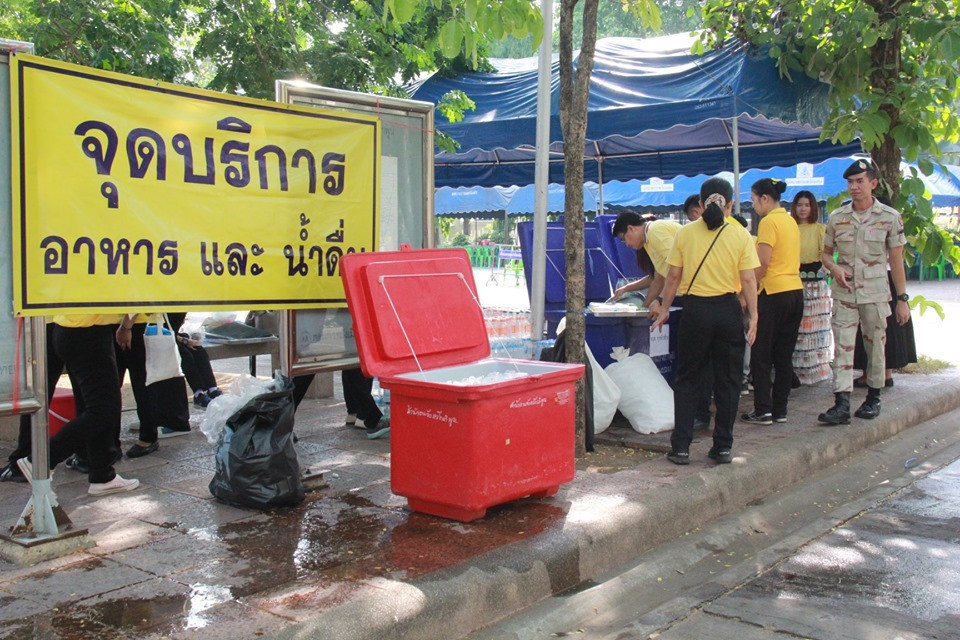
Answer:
(26, 467)
(117, 485)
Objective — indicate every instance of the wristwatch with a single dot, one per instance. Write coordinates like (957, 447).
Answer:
(903, 297)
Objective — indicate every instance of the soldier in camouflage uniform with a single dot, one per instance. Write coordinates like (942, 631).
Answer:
(868, 236)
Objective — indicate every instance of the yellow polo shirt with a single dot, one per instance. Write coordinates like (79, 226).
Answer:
(659, 242)
(79, 320)
(778, 230)
(811, 242)
(733, 252)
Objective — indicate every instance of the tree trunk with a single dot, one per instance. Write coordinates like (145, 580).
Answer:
(574, 95)
(885, 57)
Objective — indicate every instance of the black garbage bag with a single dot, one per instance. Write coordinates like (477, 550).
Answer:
(558, 353)
(256, 463)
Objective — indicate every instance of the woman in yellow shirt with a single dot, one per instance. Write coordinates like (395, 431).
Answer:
(779, 303)
(711, 262)
(653, 240)
(814, 350)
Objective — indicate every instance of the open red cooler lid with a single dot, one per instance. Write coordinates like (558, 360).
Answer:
(414, 306)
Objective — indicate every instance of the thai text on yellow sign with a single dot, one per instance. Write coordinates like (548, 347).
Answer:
(138, 195)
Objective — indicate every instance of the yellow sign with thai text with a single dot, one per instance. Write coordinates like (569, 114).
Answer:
(134, 195)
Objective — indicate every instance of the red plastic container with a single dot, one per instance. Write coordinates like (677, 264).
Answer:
(455, 450)
(62, 409)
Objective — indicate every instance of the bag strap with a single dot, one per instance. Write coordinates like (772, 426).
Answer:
(695, 273)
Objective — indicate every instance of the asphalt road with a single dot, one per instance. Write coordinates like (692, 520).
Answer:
(868, 549)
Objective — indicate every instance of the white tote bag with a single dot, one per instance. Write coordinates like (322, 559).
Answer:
(163, 357)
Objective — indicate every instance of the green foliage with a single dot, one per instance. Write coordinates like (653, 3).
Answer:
(454, 103)
(444, 225)
(921, 303)
(346, 44)
(460, 240)
(469, 24)
(892, 71)
(243, 46)
(638, 19)
(137, 38)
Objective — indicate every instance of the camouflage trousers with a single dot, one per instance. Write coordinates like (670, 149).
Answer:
(872, 318)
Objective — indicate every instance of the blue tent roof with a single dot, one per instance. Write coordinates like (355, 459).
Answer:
(448, 201)
(826, 179)
(655, 110)
(654, 192)
(522, 201)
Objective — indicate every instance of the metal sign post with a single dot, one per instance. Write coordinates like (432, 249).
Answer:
(43, 530)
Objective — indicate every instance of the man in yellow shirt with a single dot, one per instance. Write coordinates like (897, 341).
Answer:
(779, 303)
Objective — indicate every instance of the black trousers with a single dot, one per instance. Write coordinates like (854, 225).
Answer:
(89, 357)
(357, 393)
(194, 361)
(54, 371)
(163, 403)
(196, 367)
(710, 336)
(778, 322)
(703, 405)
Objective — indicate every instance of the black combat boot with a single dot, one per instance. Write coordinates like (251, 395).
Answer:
(839, 413)
(870, 408)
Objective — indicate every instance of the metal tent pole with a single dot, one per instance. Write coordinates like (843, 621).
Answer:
(736, 165)
(541, 175)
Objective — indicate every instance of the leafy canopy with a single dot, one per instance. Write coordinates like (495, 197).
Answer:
(894, 81)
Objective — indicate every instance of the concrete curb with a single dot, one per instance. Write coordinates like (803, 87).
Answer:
(457, 601)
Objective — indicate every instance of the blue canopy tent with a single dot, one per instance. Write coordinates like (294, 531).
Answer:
(655, 110)
(954, 171)
(654, 192)
(473, 202)
(490, 202)
(521, 203)
(826, 179)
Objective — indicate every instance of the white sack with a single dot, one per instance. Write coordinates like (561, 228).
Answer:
(606, 395)
(645, 397)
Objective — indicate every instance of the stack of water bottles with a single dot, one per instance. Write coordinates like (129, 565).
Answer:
(814, 350)
(509, 333)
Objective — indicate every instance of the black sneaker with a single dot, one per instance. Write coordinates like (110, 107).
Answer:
(12, 473)
(722, 456)
(779, 417)
(77, 463)
(381, 429)
(679, 457)
(755, 417)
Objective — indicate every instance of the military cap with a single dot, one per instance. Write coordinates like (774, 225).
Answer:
(858, 166)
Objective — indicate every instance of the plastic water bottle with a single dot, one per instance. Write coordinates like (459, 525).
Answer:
(382, 397)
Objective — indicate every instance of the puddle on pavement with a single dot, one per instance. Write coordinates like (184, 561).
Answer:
(343, 539)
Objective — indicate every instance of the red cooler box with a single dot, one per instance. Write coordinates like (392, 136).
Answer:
(455, 450)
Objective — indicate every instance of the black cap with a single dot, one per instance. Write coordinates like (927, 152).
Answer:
(859, 166)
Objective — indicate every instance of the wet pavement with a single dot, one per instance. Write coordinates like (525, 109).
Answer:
(892, 572)
(352, 561)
